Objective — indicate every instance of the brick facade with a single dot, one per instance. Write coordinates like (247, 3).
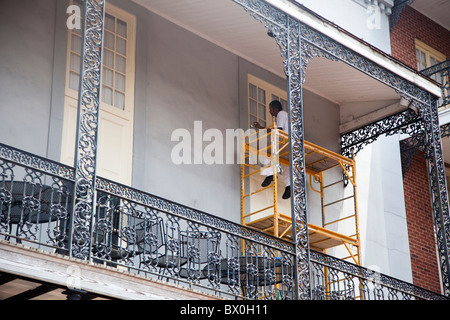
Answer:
(419, 217)
(413, 25)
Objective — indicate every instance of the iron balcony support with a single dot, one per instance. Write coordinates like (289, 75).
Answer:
(438, 188)
(87, 128)
(286, 32)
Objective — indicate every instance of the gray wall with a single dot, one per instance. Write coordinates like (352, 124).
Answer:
(189, 79)
(26, 72)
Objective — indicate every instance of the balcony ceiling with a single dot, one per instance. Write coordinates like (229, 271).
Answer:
(248, 38)
(210, 19)
(437, 10)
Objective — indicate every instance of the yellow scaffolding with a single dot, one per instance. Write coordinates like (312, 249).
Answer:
(337, 230)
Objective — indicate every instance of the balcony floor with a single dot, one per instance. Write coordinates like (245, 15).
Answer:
(27, 274)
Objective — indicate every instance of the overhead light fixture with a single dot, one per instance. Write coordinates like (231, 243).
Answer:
(414, 108)
(409, 105)
(404, 103)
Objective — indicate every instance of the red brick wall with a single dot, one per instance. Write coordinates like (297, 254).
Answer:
(410, 26)
(413, 25)
(419, 217)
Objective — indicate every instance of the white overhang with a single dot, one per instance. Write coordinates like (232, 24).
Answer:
(228, 25)
(436, 10)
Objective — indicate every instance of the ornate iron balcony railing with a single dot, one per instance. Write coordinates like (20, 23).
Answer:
(162, 239)
(441, 72)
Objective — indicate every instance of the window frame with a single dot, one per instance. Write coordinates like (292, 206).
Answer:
(270, 91)
(431, 53)
(130, 61)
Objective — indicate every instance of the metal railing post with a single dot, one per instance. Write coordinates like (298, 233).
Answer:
(87, 128)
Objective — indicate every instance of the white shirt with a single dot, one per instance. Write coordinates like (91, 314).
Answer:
(283, 121)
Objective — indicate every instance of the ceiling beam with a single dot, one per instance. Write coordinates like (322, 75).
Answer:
(34, 293)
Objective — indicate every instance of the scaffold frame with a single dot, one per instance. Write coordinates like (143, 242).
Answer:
(273, 144)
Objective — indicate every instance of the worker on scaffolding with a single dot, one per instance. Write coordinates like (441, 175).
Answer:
(282, 122)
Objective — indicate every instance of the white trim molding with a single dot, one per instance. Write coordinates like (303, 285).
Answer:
(384, 5)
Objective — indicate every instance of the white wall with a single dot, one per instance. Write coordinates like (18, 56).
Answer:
(359, 17)
(384, 234)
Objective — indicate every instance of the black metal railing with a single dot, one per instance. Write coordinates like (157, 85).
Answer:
(440, 73)
(165, 240)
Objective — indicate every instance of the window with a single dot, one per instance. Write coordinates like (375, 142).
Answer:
(257, 104)
(114, 62)
(116, 116)
(260, 94)
(427, 57)
(117, 58)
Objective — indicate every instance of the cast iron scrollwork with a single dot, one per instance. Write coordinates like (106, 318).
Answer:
(88, 109)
